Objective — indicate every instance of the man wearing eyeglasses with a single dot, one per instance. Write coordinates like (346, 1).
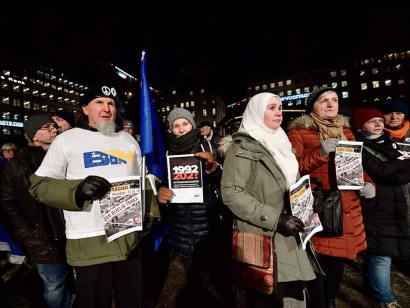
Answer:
(72, 175)
(35, 226)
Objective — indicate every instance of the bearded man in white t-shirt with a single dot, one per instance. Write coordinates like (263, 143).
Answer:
(75, 172)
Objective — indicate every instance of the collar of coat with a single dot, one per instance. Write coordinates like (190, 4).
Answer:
(306, 122)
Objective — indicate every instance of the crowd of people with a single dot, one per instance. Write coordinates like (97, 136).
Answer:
(48, 189)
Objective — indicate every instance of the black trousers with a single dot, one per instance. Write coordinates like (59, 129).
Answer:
(97, 285)
(324, 289)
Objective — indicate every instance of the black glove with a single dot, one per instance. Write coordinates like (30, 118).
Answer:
(289, 225)
(93, 187)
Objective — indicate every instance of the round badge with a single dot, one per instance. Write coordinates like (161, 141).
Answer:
(105, 90)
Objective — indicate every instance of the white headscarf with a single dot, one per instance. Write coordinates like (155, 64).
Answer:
(276, 141)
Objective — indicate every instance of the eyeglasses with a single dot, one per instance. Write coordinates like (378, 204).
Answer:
(49, 127)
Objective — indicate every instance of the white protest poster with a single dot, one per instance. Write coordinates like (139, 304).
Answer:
(185, 178)
(121, 208)
(301, 205)
(348, 163)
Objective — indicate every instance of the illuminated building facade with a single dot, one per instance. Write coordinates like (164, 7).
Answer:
(27, 89)
(367, 83)
(204, 105)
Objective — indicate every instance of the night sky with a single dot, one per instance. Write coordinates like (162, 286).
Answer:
(204, 45)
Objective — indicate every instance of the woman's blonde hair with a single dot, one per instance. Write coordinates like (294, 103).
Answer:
(9, 146)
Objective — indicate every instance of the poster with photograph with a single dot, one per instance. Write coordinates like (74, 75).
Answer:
(348, 163)
(121, 208)
(301, 205)
(185, 178)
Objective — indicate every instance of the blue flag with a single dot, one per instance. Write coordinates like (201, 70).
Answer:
(152, 144)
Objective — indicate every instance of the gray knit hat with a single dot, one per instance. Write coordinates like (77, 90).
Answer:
(127, 123)
(313, 96)
(179, 113)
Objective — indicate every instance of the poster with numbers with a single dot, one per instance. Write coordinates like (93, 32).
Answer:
(185, 178)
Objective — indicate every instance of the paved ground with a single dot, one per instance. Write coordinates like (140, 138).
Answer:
(24, 289)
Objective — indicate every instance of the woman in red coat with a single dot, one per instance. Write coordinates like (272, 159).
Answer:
(315, 137)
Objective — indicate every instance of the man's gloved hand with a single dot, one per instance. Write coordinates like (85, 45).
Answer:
(289, 225)
(209, 160)
(92, 187)
(328, 146)
(368, 190)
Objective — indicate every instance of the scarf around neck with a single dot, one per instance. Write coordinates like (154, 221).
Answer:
(185, 144)
(328, 129)
(398, 134)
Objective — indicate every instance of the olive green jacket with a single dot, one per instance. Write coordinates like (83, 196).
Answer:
(93, 250)
(253, 187)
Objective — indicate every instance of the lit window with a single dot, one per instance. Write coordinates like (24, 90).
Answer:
(334, 85)
(6, 115)
(280, 84)
(400, 81)
(375, 84)
(36, 106)
(187, 104)
(344, 83)
(191, 93)
(272, 85)
(399, 67)
(281, 93)
(16, 88)
(5, 101)
(306, 89)
(289, 92)
(16, 102)
(387, 82)
(214, 111)
(297, 91)
(333, 74)
(362, 73)
(375, 71)
(6, 73)
(168, 108)
(257, 88)
(204, 113)
(264, 87)
(342, 72)
(26, 104)
(163, 109)
(213, 101)
(174, 92)
(4, 85)
(366, 61)
(288, 82)
(345, 94)
(192, 103)
(182, 105)
(363, 86)
(6, 130)
(202, 91)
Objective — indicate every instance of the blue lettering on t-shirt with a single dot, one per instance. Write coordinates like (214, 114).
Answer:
(97, 158)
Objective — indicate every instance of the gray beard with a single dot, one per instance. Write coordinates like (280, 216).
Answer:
(106, 128)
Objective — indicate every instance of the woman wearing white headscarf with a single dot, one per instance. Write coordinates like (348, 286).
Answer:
(259, 167)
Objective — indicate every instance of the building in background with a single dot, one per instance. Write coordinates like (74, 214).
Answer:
(366, 83)
(26, 89)
(203, 104)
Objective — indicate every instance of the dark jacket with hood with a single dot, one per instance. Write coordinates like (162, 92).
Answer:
(384, 216)
(38, 228)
